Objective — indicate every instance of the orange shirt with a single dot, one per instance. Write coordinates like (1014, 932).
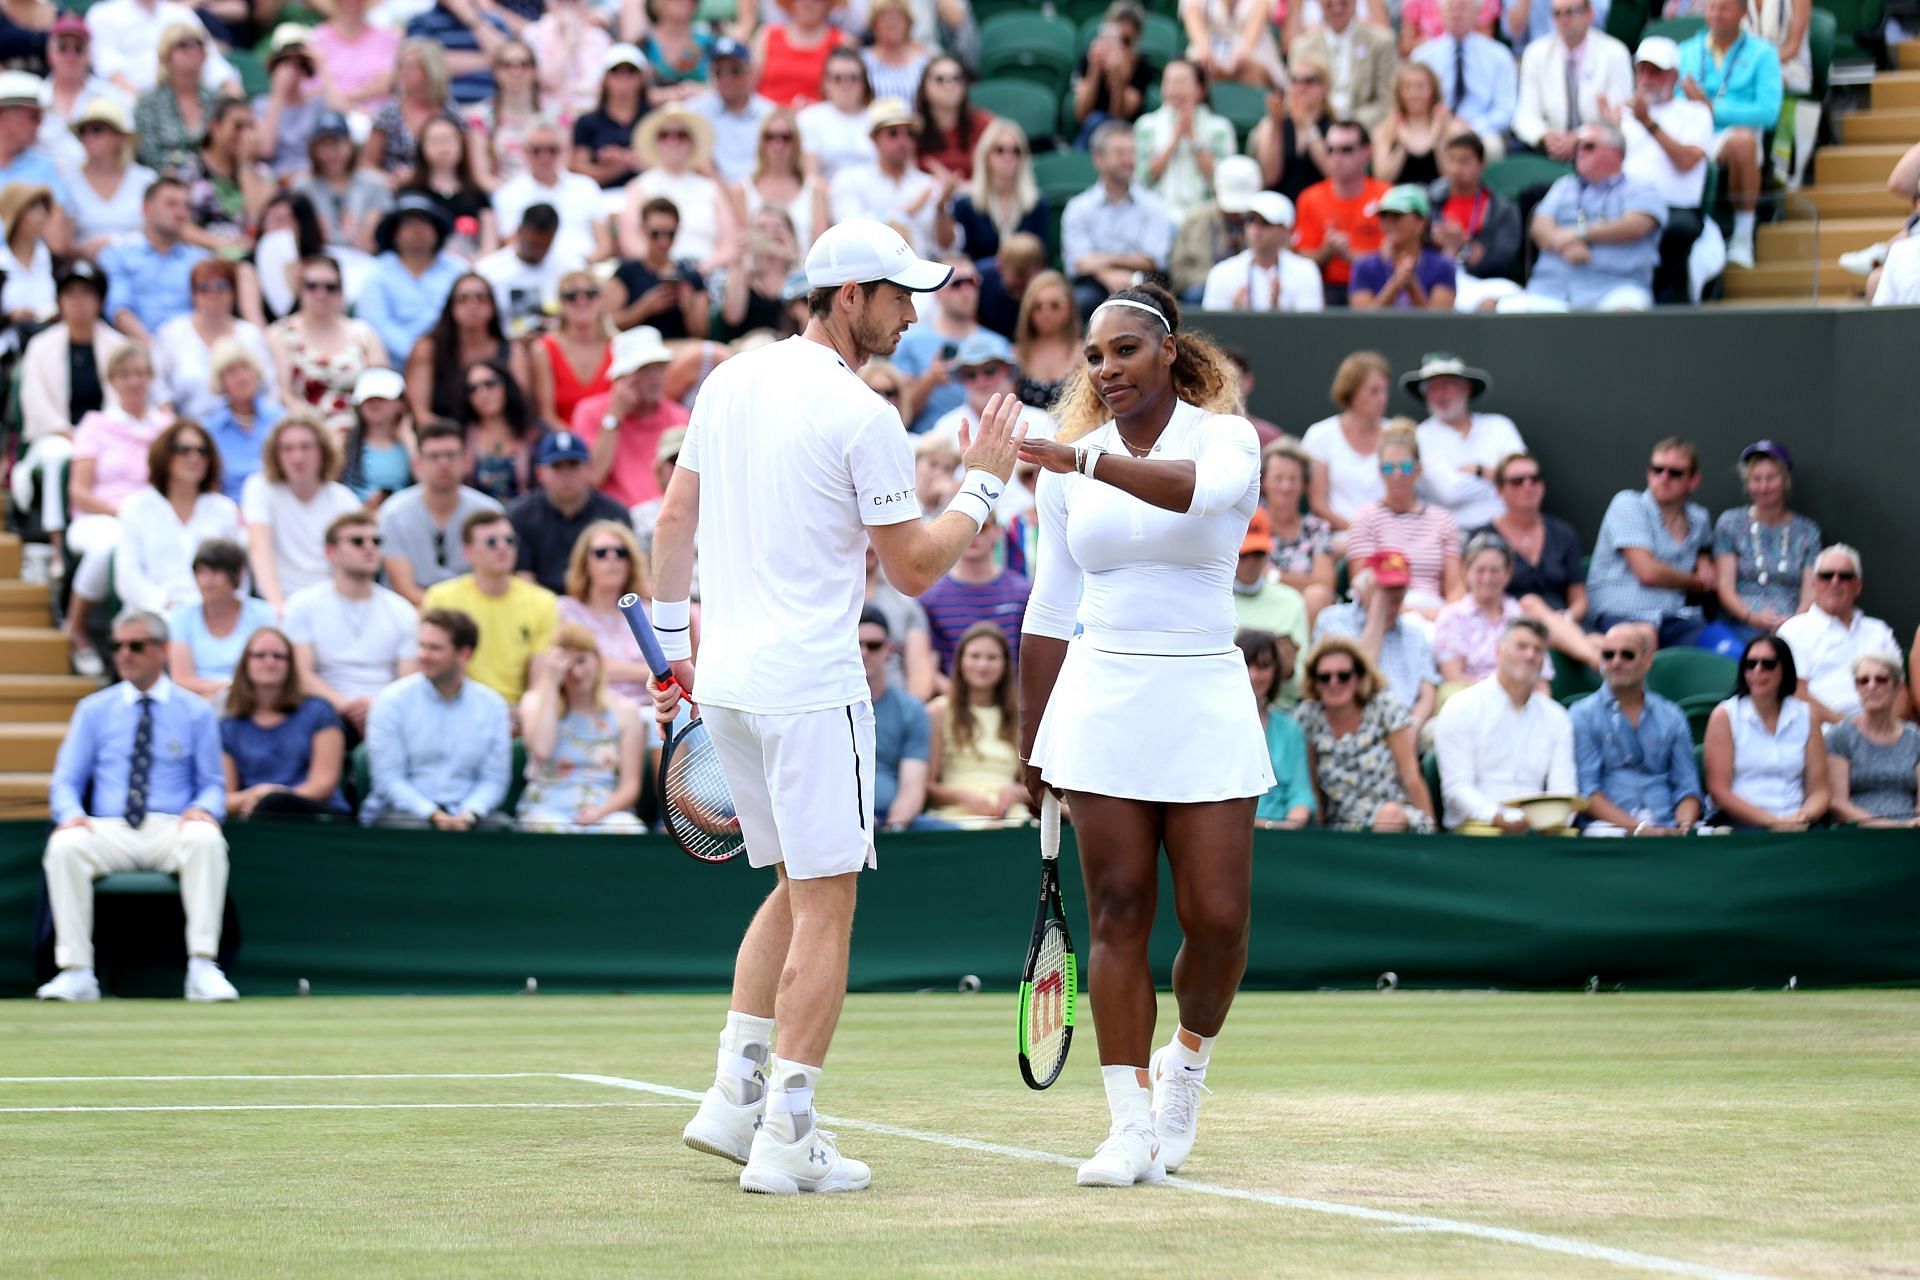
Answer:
(1321, 211)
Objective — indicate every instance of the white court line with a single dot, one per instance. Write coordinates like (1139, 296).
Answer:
(1404, 1221)
(357, 1106)
(405, 1075)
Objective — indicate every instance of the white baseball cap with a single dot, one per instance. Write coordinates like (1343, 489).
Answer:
(379, 384)
(1659, 51)
(635, 349)
(1235, 179)
(1273, 208)
(861, 250)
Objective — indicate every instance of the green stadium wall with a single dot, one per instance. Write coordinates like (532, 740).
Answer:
(1591, 393)
(378, 912)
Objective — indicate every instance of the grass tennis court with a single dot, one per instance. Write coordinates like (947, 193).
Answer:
(1763, 1133)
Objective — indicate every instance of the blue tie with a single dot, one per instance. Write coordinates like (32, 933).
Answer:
(142, 765)
(1459, 74)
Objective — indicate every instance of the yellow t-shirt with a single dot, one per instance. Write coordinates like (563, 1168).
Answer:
(513, 627)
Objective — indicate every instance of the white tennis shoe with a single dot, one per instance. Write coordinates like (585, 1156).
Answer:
(814, 1163)
(206, 984)
(1176, 1107)
(723, 1128)
(1129, 1155)
(72, 984)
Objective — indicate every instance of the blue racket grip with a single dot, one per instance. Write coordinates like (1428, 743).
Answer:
(649, 643)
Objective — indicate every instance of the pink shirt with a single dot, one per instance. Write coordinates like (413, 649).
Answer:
(631, 480)
(1461, 631)
(356, 65)
(1424, 15)
(118, 446)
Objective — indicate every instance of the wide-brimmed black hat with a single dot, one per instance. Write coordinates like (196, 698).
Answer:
(1444, 364)
(412, 206)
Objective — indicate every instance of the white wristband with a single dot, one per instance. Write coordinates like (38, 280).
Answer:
(1084, 459)
(979, 491)
(673, 624)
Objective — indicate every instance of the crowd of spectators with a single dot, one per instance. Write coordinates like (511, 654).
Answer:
(355, 395)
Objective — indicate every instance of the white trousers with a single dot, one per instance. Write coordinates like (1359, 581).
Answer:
(44, 458)
(91, 540)
(194, 851)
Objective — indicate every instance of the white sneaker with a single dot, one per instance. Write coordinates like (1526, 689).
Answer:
(721, 1128)
(1740, 251)
(1128, 1156)
(1176, 1107)
(206, 984)
(71, 984)
(814, 1163)
(86, 662)
(1861, 262)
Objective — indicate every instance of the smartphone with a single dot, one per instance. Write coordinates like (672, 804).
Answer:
(949, 350)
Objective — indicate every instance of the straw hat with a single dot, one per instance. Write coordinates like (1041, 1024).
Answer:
(103, 111)
(646, 138)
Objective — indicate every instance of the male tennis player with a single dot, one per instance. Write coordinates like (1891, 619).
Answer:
(789, 464)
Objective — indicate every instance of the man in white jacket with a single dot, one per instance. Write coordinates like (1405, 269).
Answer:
(1564, 79)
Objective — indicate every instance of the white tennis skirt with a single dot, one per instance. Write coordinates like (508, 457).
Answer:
(1173, 729)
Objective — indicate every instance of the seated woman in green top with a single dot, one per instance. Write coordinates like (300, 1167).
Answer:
(1290, 802)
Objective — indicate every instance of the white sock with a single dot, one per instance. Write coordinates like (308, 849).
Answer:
(1194, 1060)
(746, 1046)
(1130, 1101)
(790, 1105)
(196, 965)
(86, 970)
(1743, 223)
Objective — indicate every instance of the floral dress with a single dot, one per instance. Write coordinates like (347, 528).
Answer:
(582, 772)
(1295, 554)
(324, 381)
(1357, 772)
(166, 145)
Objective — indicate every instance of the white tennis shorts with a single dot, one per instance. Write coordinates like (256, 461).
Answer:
(802, 784)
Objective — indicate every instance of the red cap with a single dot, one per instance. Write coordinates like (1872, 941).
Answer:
(71, 24)
(1390, 568)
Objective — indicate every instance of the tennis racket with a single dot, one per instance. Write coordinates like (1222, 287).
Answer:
(694, 797)
(1050, 983)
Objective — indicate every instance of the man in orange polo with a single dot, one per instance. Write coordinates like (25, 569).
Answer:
(1336, 218)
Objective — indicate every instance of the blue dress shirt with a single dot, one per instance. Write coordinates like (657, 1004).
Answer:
(1493, 80)
(148, 282)
(98, 753)
(1646, 771)
(240, 449)
(430, 753)
(401, 306)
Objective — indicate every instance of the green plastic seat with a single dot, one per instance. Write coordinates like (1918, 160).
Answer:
(1021, 101)
(1430, 773)
(1684, 672)
(1823, 38)
(1678, 30)
(1029, 46)
(1161, 38)
(1699, 709)
(251, 70)
(1242, 104)
(1516, 174)
(1572, 680)
(1062, 175)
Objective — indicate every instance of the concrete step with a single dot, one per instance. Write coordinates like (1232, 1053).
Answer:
(1907, 54)
(1781, 242)
(28, 748)
(1866, 163)
(1897, 125)
(1895, 89)
(25, 604)
(42, 699)
(9, 556)
(33, 651)
(1849, 200)
(24, 795)
(1793, 281)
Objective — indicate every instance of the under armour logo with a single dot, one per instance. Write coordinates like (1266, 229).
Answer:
(989, 493)
(817, 1156)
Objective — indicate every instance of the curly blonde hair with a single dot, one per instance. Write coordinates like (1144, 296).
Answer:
(1201, 374)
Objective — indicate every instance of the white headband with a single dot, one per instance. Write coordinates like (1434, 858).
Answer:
(1137, 306)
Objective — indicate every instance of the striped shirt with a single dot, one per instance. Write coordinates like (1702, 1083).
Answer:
(952, 606)
(1427, 535)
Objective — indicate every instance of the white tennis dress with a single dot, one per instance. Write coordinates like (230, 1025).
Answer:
(1153, 701)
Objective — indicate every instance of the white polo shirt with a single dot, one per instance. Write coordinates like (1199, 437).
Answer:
(1688, 123)
(912, 203)
(1470, 499)
(796, 458)
(576, 198)
(1291, 284)
(1824, 649)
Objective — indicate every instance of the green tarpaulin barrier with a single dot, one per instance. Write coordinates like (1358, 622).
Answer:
(356, 911)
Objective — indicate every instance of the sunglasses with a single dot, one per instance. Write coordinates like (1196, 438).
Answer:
(1346, 150)
(1624, 655)
(1672, 473)
(1863, 681)
(893, 131)
(949, 78)
(271, 655)
(846, 77)
(1404, 468)
(977, 372)
(474, 295)
(441, 456)
(131, 646)
(70, 46)
(1300, 80)
(320, 286)
(213, 286)
(1828, 575)
(873, 646)
(361, 539)
(543, 149)
(95, 128)
(1761, 664)
(1520, 481)
(439, 544)
(611, 553)
(662, 233)
(1343, 676)
(483, 384)
(191, 450)
(887, 393)
(964, 282)
(1005, 150)
(675, 135)
(500, 540)
(514, 64)
(579, 295)
(1586, 146)
(782, 136)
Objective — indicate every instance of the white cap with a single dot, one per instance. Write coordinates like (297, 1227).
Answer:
(635, 349)
(22, 87)
(1272, 207)
(624, 55)
(379, 384)
(1660, 51)
(1235, 179)
(861, 250)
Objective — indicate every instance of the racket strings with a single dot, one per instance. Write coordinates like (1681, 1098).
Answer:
(697, 801)
(1050, 1005)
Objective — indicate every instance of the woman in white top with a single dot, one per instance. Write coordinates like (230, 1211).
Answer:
(105, 192)
(288, 505)
(1766, 767)
(895, 60)
(1143, 503)
(834, 130)
(1347, 445)
(25, 209)
(675, 144)
(165, 523)
(780, 179)
(184, 345)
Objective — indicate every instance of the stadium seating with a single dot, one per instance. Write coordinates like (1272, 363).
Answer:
(1029, 46)
(1242, 104)
(1857, 25)
(1161, 39)
(1021, 101)
(1517, 175)
(1062, 175)
(252, 71)
(1683, 673)
(1678, 30)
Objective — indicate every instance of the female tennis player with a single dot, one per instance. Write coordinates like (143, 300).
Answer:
(1143, 721)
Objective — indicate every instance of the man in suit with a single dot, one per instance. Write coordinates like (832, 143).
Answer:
(1360, 58)
(1477, 74)
(1566, 81)
(148, 752)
